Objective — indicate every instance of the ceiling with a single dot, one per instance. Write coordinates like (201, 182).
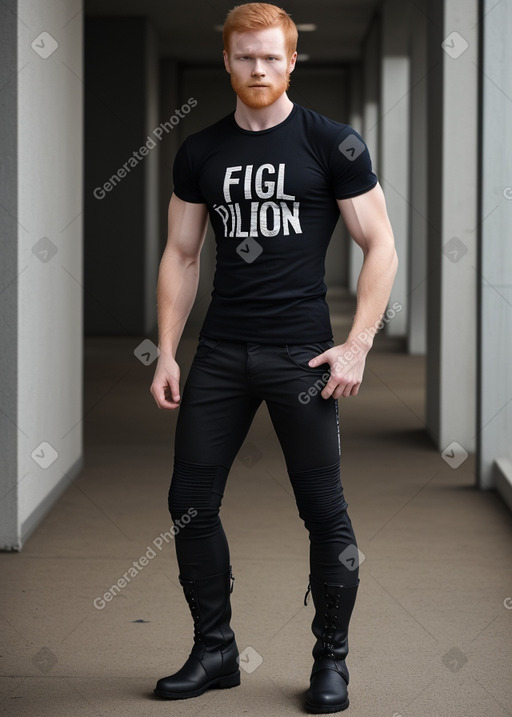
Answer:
(186, 28)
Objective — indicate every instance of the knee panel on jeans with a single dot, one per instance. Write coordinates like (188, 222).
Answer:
(321, 503)
(196, 489)
(322, 506)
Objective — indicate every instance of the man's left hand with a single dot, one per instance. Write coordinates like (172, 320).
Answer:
(347, 367)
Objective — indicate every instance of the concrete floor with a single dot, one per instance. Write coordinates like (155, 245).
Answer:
(431, 632)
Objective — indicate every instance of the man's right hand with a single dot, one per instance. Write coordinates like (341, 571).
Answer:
(166, 383)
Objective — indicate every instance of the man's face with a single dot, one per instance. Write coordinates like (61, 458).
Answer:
(259, 66)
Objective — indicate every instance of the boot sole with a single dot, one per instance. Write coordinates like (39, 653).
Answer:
(222, 683)
(327, 709)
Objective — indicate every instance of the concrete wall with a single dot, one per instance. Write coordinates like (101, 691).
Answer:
(394, 126)
(452, 212)
(9, 314)
(418, 157)
(495, 334)
(370, 102)
(42, 275)
(371, 89)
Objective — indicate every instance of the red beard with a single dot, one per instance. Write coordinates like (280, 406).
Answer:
(258, 97)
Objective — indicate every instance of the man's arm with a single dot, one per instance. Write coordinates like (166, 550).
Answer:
(176, 290)
(368, 223)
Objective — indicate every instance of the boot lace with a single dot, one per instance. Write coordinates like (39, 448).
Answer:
(332, 603)
(194, 609)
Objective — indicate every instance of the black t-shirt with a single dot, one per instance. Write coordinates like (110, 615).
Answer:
(271, 197)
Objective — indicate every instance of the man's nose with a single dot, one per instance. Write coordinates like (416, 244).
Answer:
(258, 68)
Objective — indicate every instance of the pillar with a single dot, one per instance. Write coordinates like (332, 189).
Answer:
(394, 143)
(495, 334)
(452, 232)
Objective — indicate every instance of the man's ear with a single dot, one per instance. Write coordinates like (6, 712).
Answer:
(291, 64)
(226, 61)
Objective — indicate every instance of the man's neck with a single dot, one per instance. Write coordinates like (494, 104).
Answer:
(264, 118)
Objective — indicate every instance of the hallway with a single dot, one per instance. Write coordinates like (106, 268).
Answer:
(430, 634)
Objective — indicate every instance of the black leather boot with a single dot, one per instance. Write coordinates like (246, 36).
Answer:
(213, 659)
(329, 677)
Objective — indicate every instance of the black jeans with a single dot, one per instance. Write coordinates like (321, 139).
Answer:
(227, 382)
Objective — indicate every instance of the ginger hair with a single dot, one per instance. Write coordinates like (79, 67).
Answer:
(259, 16)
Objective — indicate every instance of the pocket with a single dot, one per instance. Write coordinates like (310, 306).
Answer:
(205, 346)
(300, 354)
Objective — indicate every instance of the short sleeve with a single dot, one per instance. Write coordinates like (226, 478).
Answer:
(351, 166)
(185, 179)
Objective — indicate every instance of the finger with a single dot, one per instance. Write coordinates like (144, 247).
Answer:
(163, 397)
(343, 390)
(168, 405)
(340, 391)
(166, 402)
(347, 389)
(175, 390)
(329, 389)
(317, 360)
(350, 389)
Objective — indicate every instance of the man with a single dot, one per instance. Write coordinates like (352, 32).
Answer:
(273, 178)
